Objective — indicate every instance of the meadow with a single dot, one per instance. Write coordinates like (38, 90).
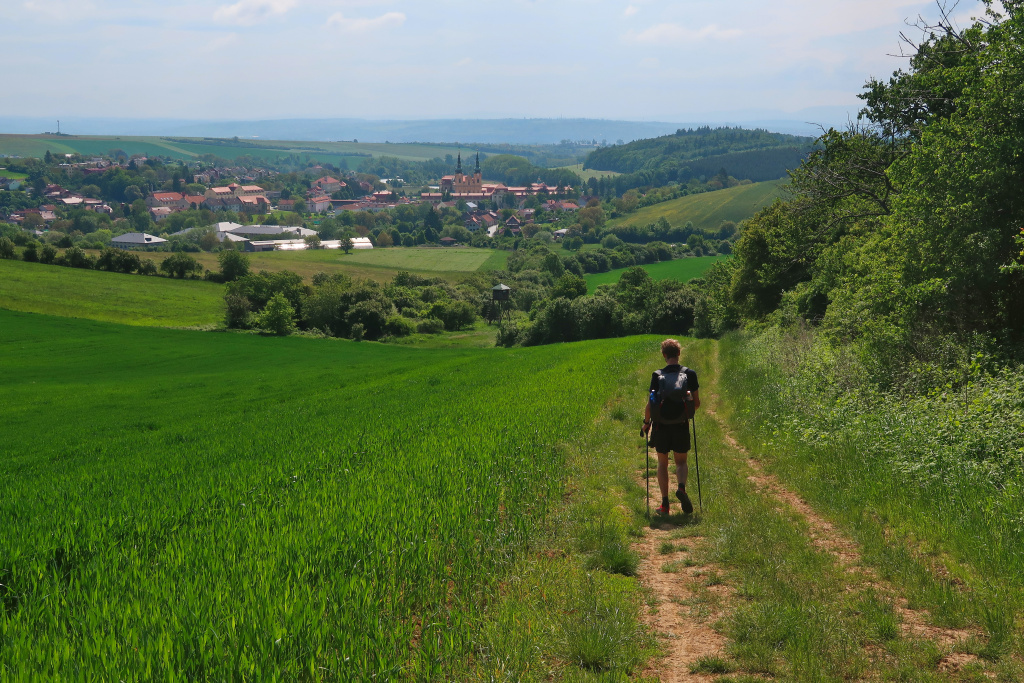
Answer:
(708, 209)
(684, 270)
(348, 154)
(226, 505)
(589, 173)
(380, 265)
(113, 297)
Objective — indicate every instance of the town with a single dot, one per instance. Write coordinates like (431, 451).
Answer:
(155, 203)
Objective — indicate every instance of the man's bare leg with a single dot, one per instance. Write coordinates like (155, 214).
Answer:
(682, 469)
(663, 475)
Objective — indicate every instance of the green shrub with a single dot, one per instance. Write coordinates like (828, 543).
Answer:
(7, 248)
(397, 326)
(278, 317)
(430, 326)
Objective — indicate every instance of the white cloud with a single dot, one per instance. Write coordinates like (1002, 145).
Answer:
(630, 11)
(365, 25)
(669, 33)
(249, 12)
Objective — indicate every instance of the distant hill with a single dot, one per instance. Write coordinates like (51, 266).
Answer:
(545, 131)
(709, 209)
(756, 155)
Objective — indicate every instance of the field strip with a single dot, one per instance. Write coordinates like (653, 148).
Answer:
(827, 538)
(680, 608)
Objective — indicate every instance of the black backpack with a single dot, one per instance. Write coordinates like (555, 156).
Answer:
(669, 402)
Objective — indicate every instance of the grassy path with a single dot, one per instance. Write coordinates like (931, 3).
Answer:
(761, 584)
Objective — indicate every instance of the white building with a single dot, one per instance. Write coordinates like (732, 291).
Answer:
(135, 240)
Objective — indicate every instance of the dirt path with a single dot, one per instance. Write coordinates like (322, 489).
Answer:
(681, 607)
(825, 536)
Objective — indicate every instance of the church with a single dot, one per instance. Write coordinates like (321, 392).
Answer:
(460, 185)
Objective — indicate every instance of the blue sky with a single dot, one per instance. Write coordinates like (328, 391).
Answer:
(673, 60)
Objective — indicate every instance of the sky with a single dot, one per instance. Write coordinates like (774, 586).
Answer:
(645, 60)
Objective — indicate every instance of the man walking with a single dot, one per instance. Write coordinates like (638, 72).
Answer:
(671, 431)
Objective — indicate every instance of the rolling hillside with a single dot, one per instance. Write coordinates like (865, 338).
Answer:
(709, 209)
(683, 269)
(112, 297)
(189, 148)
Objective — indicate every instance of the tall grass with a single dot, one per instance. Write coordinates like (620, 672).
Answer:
(929, 479)
(194, 505)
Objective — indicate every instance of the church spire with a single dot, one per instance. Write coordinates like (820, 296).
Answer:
(458, 168)
(477, 162)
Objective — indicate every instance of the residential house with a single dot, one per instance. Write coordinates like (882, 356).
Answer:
(318, 203)
(327, 185)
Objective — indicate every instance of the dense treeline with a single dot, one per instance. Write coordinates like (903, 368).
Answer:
(688, 145)
(340, 306)
(518, 171)
(902, 233)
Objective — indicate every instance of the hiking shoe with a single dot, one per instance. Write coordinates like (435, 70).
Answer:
(661, 510)
(685, 500)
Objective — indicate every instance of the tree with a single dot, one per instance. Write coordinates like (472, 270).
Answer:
(233, 264)
(180, 264)
(312, 241)
(7, 248)
(33, 221)
(278, 317)
(346, 244)
(569, 286)
(31, 253)
(118, 261)
(572, 243)
(384, 239)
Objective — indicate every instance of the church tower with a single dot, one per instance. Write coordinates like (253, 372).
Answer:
(478, 176)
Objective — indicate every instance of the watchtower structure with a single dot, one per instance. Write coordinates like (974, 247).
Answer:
(501, 295)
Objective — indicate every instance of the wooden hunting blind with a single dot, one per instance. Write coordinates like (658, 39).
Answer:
(501, 295)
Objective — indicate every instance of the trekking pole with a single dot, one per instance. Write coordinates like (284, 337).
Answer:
(647, 472)
(696, 462)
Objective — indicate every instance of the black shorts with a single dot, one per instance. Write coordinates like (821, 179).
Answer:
(671, 438)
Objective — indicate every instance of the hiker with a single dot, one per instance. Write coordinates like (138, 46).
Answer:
(667, 425)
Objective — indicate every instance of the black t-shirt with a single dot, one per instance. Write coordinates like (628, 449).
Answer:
(691, 377)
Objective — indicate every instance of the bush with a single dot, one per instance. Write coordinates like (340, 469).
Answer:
(48, 254)
(357, 332)
(278, 317)
(31, 253)
(180, 264)
(239, 310)
(430, 326)
(397, 326)
(370, 315)
(454, 315)
(118, 261)
(611, 241)
(7, 248)
(75, 257)
(233, 265)
(147, 267)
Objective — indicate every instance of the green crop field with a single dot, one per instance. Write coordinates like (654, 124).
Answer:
(684, 270)
(4, 173)
(380, 265)
(454, 259)
(350, 153)
(181, 504)
(590, 173)
(707, 210)
(114, 297)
